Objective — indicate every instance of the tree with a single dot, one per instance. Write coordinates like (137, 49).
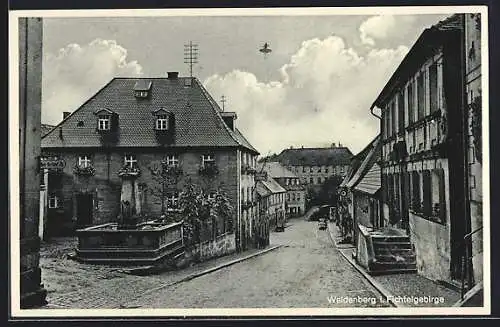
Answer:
(191, 208)
(328, 191)
(163, 176)
(198, 210)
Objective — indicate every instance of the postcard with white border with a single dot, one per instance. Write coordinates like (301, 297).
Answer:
(249, 162)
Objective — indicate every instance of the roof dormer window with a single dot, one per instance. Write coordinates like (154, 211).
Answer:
(141, 94)
(162, 122)
(107, 120)
(104, 122)
(142, 88)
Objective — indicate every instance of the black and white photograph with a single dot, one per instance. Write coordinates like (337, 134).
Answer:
(248, 162)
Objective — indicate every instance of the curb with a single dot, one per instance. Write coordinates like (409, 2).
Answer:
(208, 271)
(381, 289)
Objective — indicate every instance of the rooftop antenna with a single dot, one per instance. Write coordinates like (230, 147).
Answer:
(223, 100)
(191, 56)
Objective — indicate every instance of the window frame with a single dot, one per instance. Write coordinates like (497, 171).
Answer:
(207, 159)
(130, 160)
(104, 120)
(172, 160)
(162, 123)
(85, 159)
(170, 198)
(55, 198)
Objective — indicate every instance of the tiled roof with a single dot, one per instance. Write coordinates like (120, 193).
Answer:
(372, 156)
(276, 170)
(315, 156)
(273, 186)
(198, 122)
(430, 39)
(46, 128)
(371, 182)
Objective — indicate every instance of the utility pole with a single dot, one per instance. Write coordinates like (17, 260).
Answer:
(223, 100)
(191, 56)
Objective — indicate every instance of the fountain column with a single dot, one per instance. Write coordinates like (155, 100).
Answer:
(128, 196)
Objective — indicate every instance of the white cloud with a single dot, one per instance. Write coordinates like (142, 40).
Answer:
(323, 96)
(76, 72)
(383, 27)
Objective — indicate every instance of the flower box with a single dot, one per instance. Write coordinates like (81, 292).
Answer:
(84, 171)
(128, 171)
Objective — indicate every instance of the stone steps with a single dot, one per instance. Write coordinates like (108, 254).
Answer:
(393, 254)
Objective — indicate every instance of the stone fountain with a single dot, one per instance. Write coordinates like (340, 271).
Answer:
(127, 241)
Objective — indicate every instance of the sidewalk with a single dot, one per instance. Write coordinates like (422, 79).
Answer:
(399, 285)
(71, 284)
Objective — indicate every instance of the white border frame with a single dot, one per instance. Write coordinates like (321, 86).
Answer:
(16, 312)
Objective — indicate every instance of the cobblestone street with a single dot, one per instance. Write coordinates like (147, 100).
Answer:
(304, 272)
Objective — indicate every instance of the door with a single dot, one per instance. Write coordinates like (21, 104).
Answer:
(84, 204)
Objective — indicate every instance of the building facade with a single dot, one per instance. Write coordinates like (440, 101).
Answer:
(295, 201)
(114, 144)
(271, 200)
(360, 189)
(314, 166)
(423, 156)
(32, 291)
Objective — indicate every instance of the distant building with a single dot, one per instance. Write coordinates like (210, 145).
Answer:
(295, 191)
(362, 187)
(314, 165)
(271, 200)
(426, 150)
(132, 125)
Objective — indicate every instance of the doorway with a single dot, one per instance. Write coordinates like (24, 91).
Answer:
(84, 209)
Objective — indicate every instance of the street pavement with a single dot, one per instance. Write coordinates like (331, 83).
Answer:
(306, 272)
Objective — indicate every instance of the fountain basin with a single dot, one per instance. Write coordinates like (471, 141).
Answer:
(146, 244)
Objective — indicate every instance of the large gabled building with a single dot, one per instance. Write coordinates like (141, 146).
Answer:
(110, 144)
(314, 165)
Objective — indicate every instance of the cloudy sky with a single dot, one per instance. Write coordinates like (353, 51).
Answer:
(315, 88)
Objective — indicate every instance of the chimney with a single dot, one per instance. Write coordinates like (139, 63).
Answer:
(334, 145)
(172, 75)
(229, 118)
(66, 114)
